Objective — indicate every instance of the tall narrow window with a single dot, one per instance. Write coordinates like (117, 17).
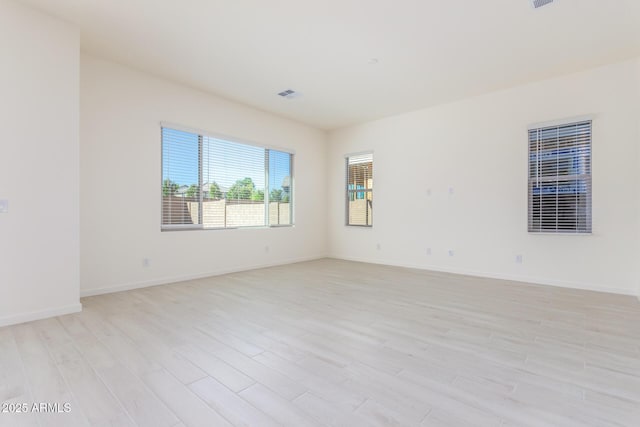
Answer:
(560, 178)
(180, 178)
(208, 182)
(360, 190)
(279, 169)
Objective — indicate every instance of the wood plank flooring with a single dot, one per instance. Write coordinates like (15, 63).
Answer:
(331, 342)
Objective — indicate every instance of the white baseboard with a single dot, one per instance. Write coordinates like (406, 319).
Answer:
(37, 315)
(174, 279)
(499, 276)
(490, 275)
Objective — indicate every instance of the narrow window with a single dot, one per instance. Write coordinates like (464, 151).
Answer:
(280, 208)
(180, 179)
(360, 190)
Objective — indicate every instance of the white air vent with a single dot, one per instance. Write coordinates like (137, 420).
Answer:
(539, 3)
(289, 94)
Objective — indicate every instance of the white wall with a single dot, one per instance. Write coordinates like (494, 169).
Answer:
(39, 165)
(121, 110)
(479, 147)
(109, 184)
(638, 158)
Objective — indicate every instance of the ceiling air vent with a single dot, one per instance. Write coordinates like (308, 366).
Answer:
(289, 94)
(539, 3)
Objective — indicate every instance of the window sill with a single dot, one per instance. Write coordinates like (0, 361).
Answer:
(257, 227)
(551, 233)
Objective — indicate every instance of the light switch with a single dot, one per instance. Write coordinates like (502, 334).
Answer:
(4, 206)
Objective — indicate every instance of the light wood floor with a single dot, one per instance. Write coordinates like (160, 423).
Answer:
(331, 343)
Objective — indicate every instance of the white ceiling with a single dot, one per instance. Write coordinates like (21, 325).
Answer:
(429, 51)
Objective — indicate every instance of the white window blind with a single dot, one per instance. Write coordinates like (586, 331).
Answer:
(180, 178)
(560, 178)
(360, 190)
(208, 182)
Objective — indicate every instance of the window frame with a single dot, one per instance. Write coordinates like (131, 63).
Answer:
(348, 191)
(585, 179)
(201, 135)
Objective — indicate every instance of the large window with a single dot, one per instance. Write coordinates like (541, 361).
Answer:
(360, 190)
(209, 182)
(560, 178)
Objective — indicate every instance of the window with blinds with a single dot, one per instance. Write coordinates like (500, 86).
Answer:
(560, 178)
(360, 190)
(208, 182)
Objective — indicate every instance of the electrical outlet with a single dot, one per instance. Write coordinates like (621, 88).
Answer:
(451, 252)
(4, 206)
(451, 191)
(518, 259)
(378, 247)
(267, 249)
(146, 262)
(428, 251)
(428, 192)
